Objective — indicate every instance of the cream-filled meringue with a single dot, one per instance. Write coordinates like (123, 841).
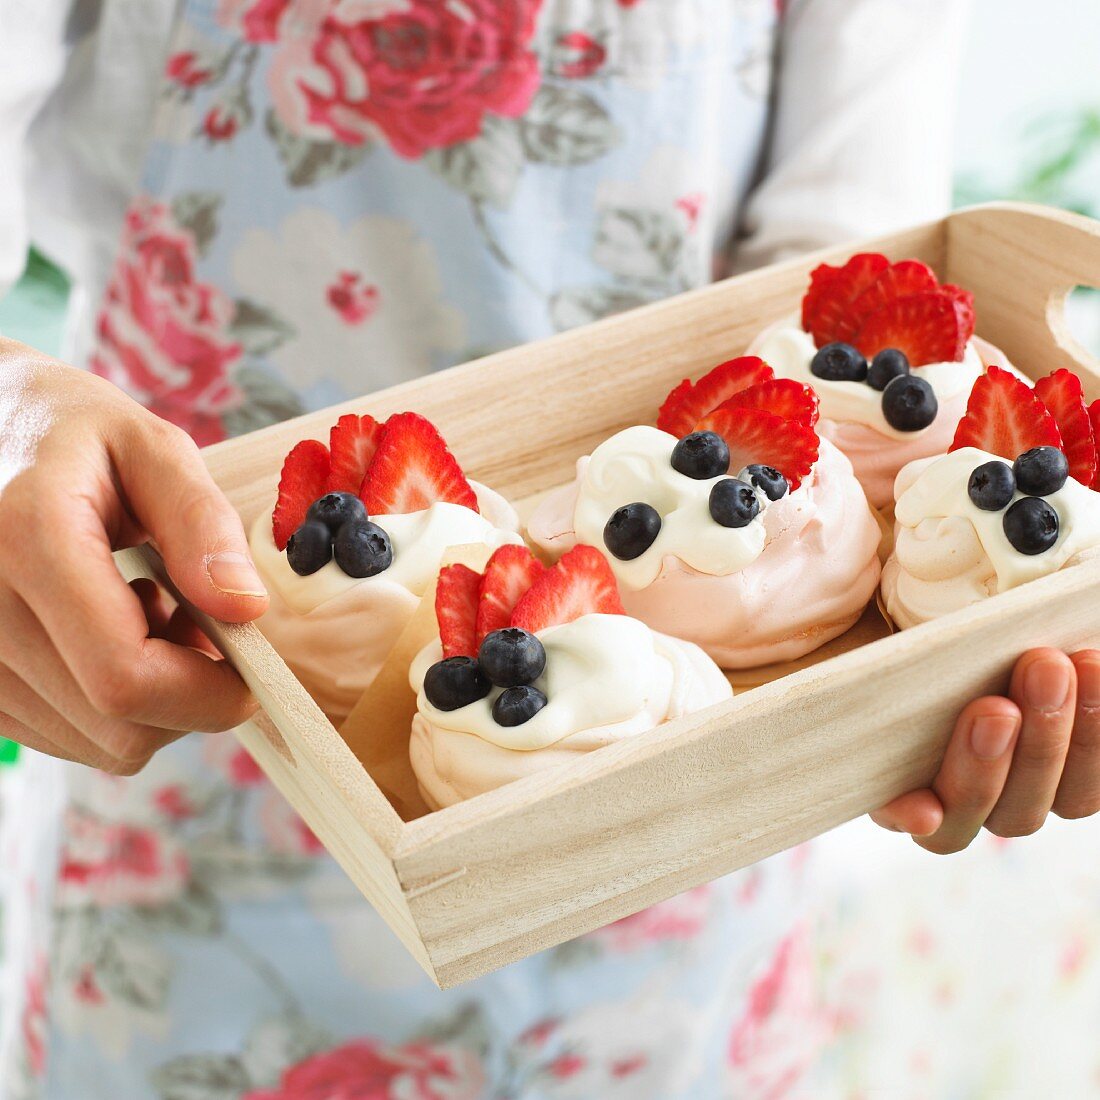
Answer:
(607, 678)
(797, 576)
(851, 412)
(949, 553)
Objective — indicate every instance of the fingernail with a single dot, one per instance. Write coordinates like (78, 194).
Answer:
(1088, 685)
(990, 736)
(234, 574)
(1046, 685)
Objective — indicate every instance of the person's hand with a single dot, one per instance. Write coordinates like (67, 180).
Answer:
(1011, 761)
(93, 669)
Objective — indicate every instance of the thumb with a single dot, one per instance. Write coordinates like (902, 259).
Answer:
(198, 533)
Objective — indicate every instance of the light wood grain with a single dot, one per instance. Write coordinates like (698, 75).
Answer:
(516, 870)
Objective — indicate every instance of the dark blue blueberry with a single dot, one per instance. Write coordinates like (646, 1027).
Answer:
(1041, 471)
(992, 486)
(701, 455)
(630, 531)
(518, 705)
(455, 682)
(733, 503)
(336, 509)
(511, 657)
(309, 548)
(885, 367)
(767, 479)
(909, 403)
(839, 363)
(362, 549)
(1031, 526)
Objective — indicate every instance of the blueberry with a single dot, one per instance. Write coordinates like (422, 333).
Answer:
(362, 549)
(992, 486)
(839, 363)
(309, 548)
(1041, 471)
(511, 657)
(518, 705)
(909, 403)
(630, 531)
(701, 455)
(885, 367)
(336, 509)
(733, 503)
(1031, 525)
(767, 479)
(455, 682)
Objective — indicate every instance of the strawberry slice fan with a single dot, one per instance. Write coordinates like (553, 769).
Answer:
(400, 466)
(1007, 417)
(874, 304)
(763, 419)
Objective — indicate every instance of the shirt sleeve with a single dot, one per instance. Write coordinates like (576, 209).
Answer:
(33, 54)
(862, 128)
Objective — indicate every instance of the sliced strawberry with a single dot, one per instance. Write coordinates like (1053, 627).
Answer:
(831, 320)
(690, 401)
(509, 573)
(929, 328)
(1005, 417)
(901, 280)
(352, 443)
(303, 480)
(1065, 400)
(1094, 417)
(821, 279)
(784, 397)
(965, 300)
(456, 596)
(580, 584)
(754, 435)
(412, 469)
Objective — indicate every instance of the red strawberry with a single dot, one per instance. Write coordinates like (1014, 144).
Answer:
(352, 443)
(821, 279)
(929, 328)
(1005, 417)
(1062, 394)
(509, 573)
(754, 435)
(831, 320)
(901, 280)
(580, 584)
(965, 300)
(784, 397)
(303, 480)
(456, 596)
(1094, 417)
(412, 469)
(688, 402)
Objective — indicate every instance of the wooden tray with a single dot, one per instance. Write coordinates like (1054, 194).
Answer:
(549, 857)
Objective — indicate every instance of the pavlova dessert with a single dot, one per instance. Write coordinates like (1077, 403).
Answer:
(1015, 499)
(356, 539)
(730, 524)
(534, 666)
(892, 355)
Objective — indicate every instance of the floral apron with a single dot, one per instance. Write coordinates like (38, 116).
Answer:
(341, 194)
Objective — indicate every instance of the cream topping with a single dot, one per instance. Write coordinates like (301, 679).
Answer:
(636, 466)
(600, 670)
(788, 349)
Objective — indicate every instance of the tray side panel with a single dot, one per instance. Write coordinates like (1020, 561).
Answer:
(518, 420)
(552, 857)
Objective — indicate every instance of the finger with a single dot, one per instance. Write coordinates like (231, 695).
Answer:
(56, 735)
(1044, 686)
(973, 772)
(172, 495)
(155, 604)
(1078, 792)
(183, 630)
(14, 730)
(918, 813)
